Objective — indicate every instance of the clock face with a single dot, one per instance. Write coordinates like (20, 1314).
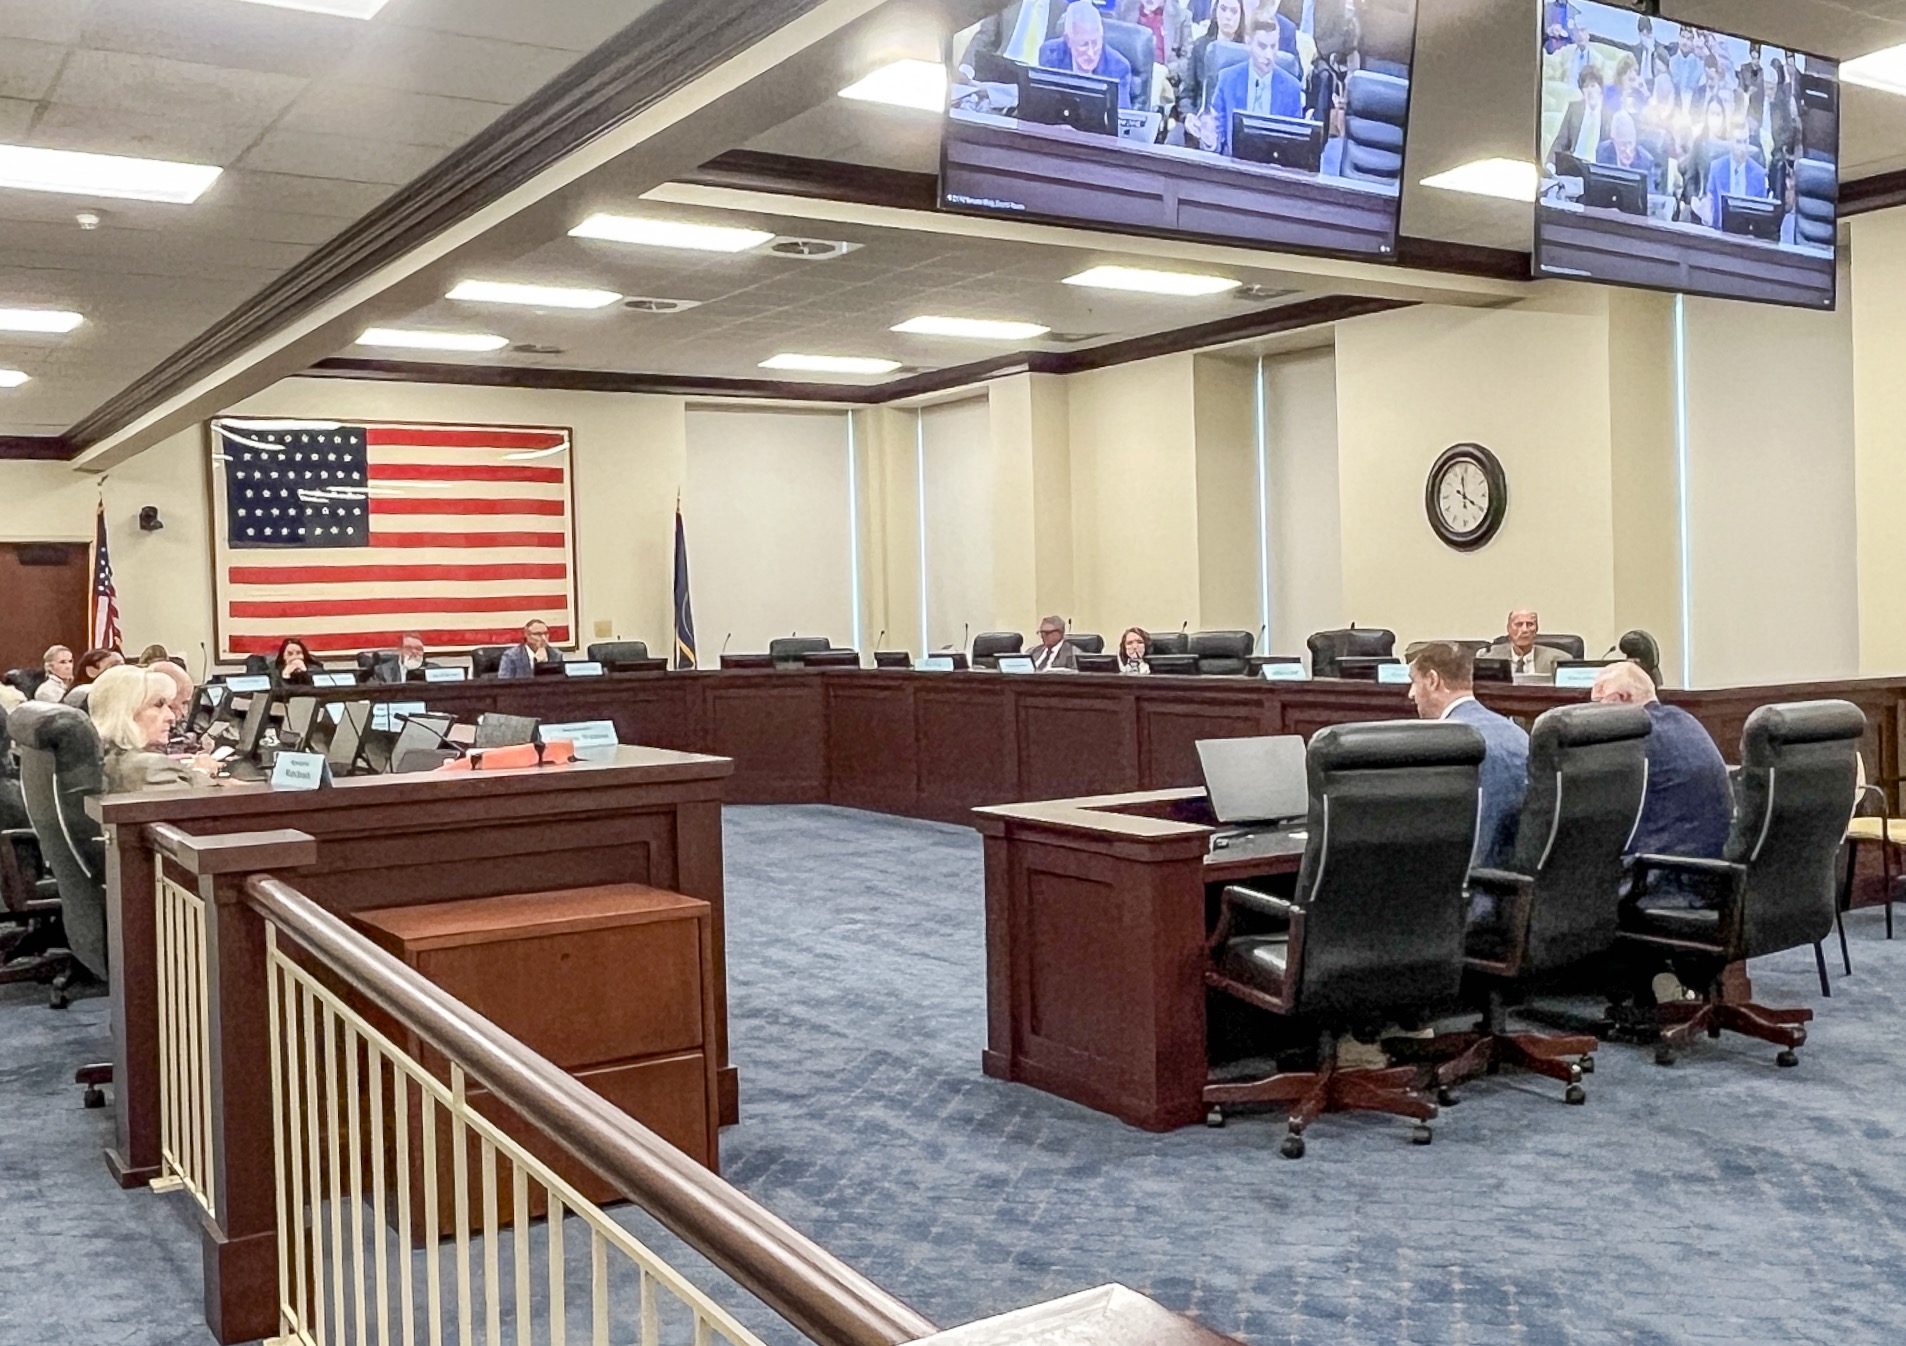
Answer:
(1466, 496)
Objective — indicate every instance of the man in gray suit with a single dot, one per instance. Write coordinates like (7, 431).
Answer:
(1054, 654)
(1520, 649)
(1442, 684)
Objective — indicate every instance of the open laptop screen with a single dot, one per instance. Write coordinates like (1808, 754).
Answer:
(1255, 780)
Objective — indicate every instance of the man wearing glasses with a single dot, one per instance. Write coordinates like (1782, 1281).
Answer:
(521, 661)
(1054, 654)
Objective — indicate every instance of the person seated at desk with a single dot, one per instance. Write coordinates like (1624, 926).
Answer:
(1689, 805)
(1131, 651)
(1520, 649)
(1581, 130)
(1081, 50)
(294, 663)
(1054, 653)
(1226, 25)
(1256, 85)
(1623, 148)
(410, 653)
(522, 661)
(1736, 175)
(58, 665)
(183, 742)
(1169, 23)
(131, 707)
(1443, 687)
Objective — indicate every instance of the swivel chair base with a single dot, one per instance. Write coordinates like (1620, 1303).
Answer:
(93, 1077)
(1457, 1058)
(1683, 1022)
(1311, 1093)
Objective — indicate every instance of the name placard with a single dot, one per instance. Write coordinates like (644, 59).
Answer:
(583, 668)
(390, 715)
(1015, 663)
(1577, 677)
(249, 682)
(446, 674)
(594, 740)
(1393, 673)
(215, 692)
(334, 679)
(1284, 672)
(300, 771)
(934, 663)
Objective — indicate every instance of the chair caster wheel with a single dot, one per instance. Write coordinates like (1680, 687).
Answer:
(94, 1097)
(1293, 1146)
(1575, 1095)
(1787, 1059)
(1446, 1097)
(1714, 1031)
(1664, 1055)
(1800, 1037)
(57, 999)
(1586, 1065)
(1214, 1117)
(1420, 1134)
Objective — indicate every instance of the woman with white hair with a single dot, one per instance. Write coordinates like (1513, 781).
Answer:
(132, 709)
(57, 663)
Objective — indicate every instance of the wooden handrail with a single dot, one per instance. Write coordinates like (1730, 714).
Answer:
(823, 1297)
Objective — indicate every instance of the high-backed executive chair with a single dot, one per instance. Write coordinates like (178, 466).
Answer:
(1139, 47)
(1222, 653)
(989, 645)
(1376, 107)
(1776, 885)
(1559, 901)
(786, 651)
(1168, 642)
(1087, 644)
(1374, 932)
(485, 660)
(32, 942)
(1645, 650)
(1327, 647)
(609, 653)
(1573, 646)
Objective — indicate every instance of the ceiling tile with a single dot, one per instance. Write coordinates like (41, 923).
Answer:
(389, 114)
(453, 66)
(58, 21)
(575, 26)
(16, 114)
(154, 86)
(225, 33)
(346, 158)
(69, 126)
(27, 69)
(295, 194)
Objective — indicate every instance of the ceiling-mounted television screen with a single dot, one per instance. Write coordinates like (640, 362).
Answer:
(1679, 158)
(1278, 124)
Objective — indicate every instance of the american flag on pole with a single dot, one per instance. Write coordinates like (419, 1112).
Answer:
(349, 536)
(104, 604)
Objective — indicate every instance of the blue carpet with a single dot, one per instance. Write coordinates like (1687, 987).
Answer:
(1720, 1201)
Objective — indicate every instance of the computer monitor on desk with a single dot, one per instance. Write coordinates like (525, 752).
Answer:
(1361, 667)
(1751, 217)
(1067, 98)
(1255, 780)
(1289, 142)
(1611, 187)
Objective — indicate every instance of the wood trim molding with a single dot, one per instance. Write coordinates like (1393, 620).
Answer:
(54, 448)
(1881, 191)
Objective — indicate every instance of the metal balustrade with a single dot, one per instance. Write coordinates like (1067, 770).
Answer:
(185, 1079)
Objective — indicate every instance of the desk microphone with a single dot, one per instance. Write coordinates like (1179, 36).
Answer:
(882, 636)
(205, 661)
(965, 632)
(1184, 626)
(1262, 633)
(724, 643)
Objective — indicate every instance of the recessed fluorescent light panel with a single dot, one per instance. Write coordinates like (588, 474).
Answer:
(979, 329)
(1507, 179)
(343, 9)
(670, 233)
(1884, 70)
(38, 320)
(77, 174)
(432, 341)
(535, 296)
(1142, 281)
(831, 364)
(907, 83)
(12, 378)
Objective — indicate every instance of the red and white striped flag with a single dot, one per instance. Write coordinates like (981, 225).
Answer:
(103, 608)
(349, 536)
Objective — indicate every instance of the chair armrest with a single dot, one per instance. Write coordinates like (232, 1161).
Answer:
(1696, 865)
(1506, 882)
(1870, 792)
(1259, 903)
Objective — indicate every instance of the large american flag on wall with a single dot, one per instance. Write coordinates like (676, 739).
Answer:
(348, 536)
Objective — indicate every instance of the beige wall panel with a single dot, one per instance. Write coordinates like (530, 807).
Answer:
(1303, 504)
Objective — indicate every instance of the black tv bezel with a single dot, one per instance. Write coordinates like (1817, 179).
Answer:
(1389, 258)
(1541, 154)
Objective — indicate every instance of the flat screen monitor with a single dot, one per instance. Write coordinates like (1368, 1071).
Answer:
(347, 735)
(1255, 780)
(1272, 136)
(1676, 157)
(496, 730)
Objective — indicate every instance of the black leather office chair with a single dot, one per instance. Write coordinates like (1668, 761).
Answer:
(1223, 653)
(1645, 650)
(1376, 106)
(989, 645)
(1374, 932)
(1087, 644)
(1776, 885)
(786, 651)
(59, 770)
(1168, 642)
(609, 652)
(485, 660)
(1219, 56)
(1573, 646)
(1136, 44)
(256, 664)
(1327, 647)
(32, 942)
(1816, 201)
(1559, 901)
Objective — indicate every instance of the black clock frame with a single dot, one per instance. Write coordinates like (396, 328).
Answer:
(1492, 472)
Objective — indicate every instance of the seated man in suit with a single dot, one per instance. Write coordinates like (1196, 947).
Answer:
(1736, 175)
(1011, 37)
(410, 653)
(1054, 653)
(1689, 806)
(1442, 684)
(1081, 48)
(521, 661)
(1581, 131)
(1520, 649)
(1623, 148)
(1256, 85)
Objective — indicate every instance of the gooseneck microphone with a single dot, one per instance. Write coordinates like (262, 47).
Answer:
(882, 636)
(724, 642)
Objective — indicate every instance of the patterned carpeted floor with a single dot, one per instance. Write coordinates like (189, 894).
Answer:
(1720, 1201)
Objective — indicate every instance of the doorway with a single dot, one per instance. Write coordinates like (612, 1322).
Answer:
(43, 599)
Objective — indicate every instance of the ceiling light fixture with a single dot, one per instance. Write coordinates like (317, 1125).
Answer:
(670, 233)
(1139, 280)
(13, 378)
(980, 329)
(77, 174)
(432, 341)
(343, 9)
(906, 83)
(1884, 70)
(1505, 179)
(535, 296)
(38, 320)
(831, 364)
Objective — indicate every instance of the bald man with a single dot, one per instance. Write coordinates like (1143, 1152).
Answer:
(1520, 649)
(1689, 807)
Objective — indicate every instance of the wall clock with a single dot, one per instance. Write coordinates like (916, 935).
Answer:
(1466, 496)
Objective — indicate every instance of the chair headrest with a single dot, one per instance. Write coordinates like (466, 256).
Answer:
(1581, 726)
(1223, 644)
(61, 730)
(1795, 722)
(1369, 93)
(616, 651)
(1394, 743)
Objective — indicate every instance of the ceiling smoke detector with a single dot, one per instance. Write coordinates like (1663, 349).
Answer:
(653, 305)
(532, 348)
(810, 249)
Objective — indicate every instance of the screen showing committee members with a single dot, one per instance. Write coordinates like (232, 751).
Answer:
(1685, 159)
(1279, 122)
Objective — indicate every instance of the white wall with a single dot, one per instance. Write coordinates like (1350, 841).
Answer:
(1303, 507)
(962, 532)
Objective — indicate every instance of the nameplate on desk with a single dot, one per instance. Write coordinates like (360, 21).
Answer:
(1393, 673)
(1577, 677)
(1016, 663)
(582, 669)
(593, 740)
(389, 716)
(249, 682)
(446, 674)
(215, 692)
(1284, 672)
(300, 771)
(334, 679)
(934, 663)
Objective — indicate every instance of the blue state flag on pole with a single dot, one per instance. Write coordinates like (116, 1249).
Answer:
(684, 614)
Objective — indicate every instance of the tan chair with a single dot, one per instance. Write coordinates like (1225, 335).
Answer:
(1883, 831)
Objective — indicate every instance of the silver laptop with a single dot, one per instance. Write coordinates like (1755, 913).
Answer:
(1255, 780)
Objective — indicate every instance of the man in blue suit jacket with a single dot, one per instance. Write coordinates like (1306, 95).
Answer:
(1736, 175)
(1442, 684)
(1081, 49)
(1623, 149)
(1257, 85)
